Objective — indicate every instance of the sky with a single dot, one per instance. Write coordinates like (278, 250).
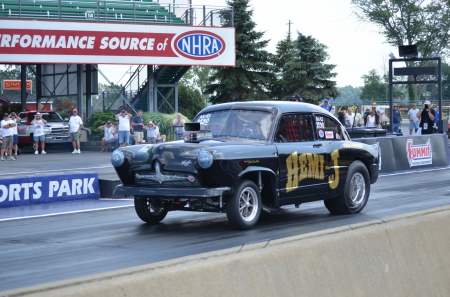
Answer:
(355, 47)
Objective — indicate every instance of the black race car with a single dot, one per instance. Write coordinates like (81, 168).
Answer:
(246, 157)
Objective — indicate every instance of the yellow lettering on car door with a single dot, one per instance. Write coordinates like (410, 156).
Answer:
(302, 167)
(333, 180)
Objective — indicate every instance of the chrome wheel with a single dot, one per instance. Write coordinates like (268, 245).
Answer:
(244, 206)
(357, 188)
(355, 193)
(248, 204)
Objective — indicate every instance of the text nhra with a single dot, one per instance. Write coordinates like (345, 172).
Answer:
(52, 189)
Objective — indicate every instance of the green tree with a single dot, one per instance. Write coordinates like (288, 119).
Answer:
(349, 94)
(425, 23)
(198, 77)
(284, 54)
(307, 74)
(374, 88)
(190, 101)
(253, 74)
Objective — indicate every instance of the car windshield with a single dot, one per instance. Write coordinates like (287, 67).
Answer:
(52, 117)
(236, 123)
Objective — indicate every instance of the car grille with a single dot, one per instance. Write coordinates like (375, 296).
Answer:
(58, 130)
(158, 179)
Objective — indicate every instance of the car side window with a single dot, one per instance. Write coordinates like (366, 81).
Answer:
(294, 128)
(327, 128)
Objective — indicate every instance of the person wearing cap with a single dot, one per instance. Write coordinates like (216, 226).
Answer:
(396, 118)
(152, 132)
(75, 125)
(137, 125)
(178, 123)
(342, 114)
(7, 137)
(413, 119)
(124, 127)
(378, 114)
(326, 105)
(15, 118)
(296, 98)
(38, 135)
(108, 140)
(426, 116)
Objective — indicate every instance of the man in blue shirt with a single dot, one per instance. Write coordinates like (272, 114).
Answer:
(137, 125)
(326, 105)
(436, 118)
(396, 118)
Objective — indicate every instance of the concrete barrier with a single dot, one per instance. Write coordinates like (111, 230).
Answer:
(402, 256)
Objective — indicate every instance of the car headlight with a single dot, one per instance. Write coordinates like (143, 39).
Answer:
(205, 159)
(117, 158)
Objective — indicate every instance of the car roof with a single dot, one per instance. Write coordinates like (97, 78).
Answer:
(281, 106)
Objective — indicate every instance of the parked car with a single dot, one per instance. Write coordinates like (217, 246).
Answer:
(246, 157)
(55, 130)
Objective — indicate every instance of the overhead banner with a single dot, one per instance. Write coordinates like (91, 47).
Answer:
(15, 84)
(51, 42)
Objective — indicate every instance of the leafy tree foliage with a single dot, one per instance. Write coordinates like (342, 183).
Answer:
(307, 74)
(198, 77)
(425, 23)
(349, 94)
(374, 88)
(251, 78)
(190, 101)
(284, 54)
(96, 120)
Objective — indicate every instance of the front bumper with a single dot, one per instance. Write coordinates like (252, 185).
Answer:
(171, 192)
(57, 138)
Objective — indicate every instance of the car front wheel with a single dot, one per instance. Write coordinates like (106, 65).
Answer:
(244, 206)
(356, 191)
(148, 212)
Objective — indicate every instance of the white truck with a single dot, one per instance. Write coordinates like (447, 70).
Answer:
(55, 130)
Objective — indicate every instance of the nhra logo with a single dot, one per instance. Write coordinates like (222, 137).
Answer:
(199, 45)
(419, 154)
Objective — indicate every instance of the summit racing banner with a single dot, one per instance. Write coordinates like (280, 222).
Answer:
(42, 42)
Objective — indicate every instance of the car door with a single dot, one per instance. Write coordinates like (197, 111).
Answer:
(301, 158)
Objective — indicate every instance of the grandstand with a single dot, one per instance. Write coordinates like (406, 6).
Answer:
(177, 12)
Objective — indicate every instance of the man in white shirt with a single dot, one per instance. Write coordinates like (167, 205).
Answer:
(124, 127)
(378, 114)
(413, 119)
(179, 127)
(349, 118)
(108, 141)
(75, 125)
(38, 135)
(7, 137)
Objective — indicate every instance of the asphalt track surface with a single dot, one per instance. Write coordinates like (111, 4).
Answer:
(58, 241)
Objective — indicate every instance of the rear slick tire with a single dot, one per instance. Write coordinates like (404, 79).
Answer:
(356, 191)
(147, 212)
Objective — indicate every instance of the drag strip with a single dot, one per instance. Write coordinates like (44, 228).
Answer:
(48, 248)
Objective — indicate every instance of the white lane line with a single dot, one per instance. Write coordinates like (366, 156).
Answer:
(62, 213)
(412, 171)
(58, 170)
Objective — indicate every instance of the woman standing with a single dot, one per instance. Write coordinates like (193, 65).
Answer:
(370, 120)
